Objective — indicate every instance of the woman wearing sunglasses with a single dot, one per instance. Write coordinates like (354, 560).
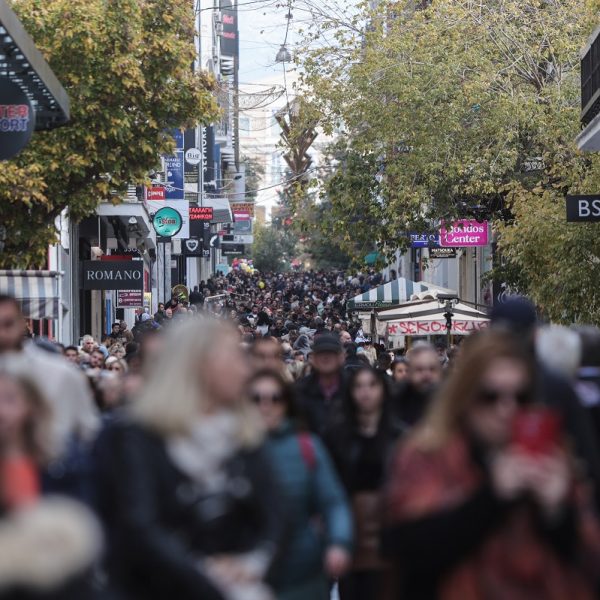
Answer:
(320, 525)
(484, 500)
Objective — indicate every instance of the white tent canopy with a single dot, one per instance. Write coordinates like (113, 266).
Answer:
(394, 293)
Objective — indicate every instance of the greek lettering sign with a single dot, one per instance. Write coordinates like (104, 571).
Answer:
(17, 119)
(113, 275)
(201, 213)
(167, 222)
(464, 233)
(583, 209)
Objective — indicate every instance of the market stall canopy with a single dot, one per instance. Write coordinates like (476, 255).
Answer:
(36, 291)
(393, 293)
(428, 318)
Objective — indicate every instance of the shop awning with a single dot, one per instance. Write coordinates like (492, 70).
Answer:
(27, 68)
(36, 291)
(393, 293)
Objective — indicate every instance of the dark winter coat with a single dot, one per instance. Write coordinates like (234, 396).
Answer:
(160, 523)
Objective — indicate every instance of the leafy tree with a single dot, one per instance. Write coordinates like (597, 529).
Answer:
(272, 248)
(463, 109)
(126, 67)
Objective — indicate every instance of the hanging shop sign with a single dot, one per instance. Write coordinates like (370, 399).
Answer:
(195, 247)
(112, 275)
(17, 119)
(464, 233)
(233, 250)
(442, 252)
(582, 209)
(156, 192)
(167, 222)
(130, 298)
(424, 240)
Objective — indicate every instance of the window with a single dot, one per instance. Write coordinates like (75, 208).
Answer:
(245, 126)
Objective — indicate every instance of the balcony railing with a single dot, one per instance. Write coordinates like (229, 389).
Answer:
(590, 79)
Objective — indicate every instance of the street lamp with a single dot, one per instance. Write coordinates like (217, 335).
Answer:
(449, 301)
(283, 55)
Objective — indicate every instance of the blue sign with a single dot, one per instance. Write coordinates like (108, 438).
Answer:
(178, 137)
(424, 240)
(174, 172)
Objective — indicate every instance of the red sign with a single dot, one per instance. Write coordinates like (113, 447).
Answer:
(130, 298)
(464, 233)
(156, 192)
(201, 213)
(435, 327)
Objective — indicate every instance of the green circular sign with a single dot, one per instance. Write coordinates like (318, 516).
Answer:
(167, 222)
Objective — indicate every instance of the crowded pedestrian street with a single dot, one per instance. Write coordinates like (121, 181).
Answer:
(299, 300)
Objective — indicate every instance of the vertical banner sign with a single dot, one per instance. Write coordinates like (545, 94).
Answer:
(191, 166)
(208, 159)
(229, 38)
(174, 172)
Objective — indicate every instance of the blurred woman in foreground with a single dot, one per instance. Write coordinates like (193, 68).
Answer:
(47, 546)
(484, 500)
(190, 504)
(319, 532)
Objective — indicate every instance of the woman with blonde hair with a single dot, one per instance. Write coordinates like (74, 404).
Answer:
(484, 500)
(189, 500)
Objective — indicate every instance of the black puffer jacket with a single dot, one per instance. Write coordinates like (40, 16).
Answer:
(160, 523)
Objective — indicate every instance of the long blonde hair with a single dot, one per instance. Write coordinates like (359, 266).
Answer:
(449, 408)
(173, 397)
(37, 435)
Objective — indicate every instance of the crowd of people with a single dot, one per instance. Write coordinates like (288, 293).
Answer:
(251, 442)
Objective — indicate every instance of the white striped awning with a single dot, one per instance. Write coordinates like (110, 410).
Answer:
(36, 291)
(393, 293)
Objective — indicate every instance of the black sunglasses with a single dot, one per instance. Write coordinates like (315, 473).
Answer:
(270, 397)
(490, 396)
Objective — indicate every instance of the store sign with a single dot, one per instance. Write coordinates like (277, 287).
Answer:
(581, 209)
(193, 156)
(112, 275)
(209, 172)
(130, 298)
(243, 207)
(424, 240)
(229, 37)
(464, 233)
(436, 327)
(167, 222)
(156, 192)
(442, 252)
(201, 213)
(233, 250)
(195, 247)
(17, 119)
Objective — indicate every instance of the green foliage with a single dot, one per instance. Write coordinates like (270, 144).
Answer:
(273, 248)
(443, 107)
(126, 67)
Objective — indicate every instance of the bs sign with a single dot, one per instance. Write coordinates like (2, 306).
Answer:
(17, 119)
(583, 208)
(167, 222)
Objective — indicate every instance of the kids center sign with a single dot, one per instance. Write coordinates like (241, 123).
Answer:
(464, 233)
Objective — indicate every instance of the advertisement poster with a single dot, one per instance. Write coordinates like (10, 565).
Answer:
(174, 175)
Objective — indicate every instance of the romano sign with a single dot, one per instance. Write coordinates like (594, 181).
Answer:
(113, 275)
